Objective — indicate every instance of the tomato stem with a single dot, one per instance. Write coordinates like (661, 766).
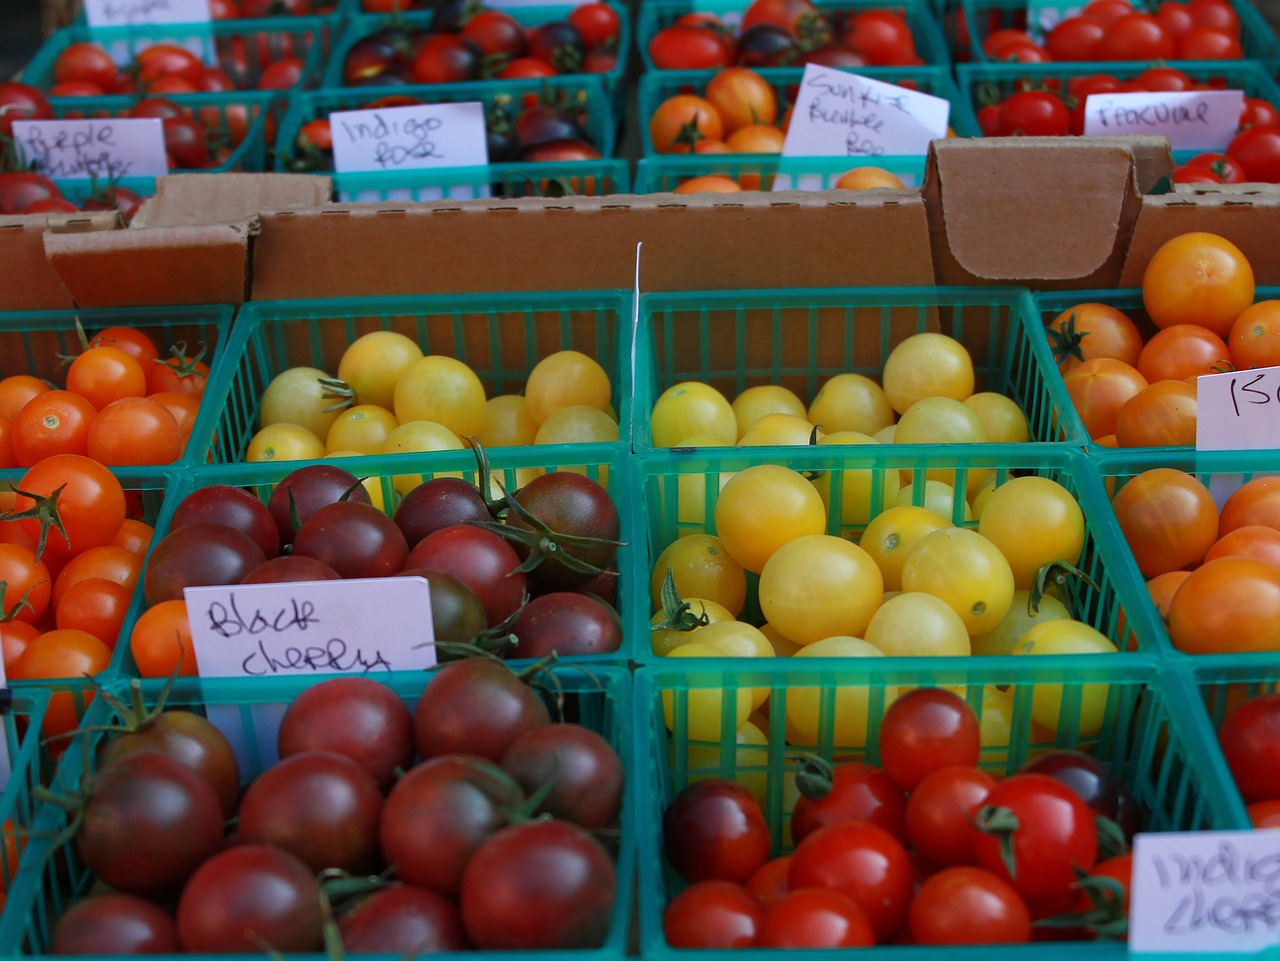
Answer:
(45, 511)
(815, 778)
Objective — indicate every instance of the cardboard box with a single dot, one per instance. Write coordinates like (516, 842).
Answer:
(1044, 212)
(708, 241)
(189, 244)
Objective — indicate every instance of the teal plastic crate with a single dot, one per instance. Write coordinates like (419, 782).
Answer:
(1142, 738)
(242, 48)
(36, 342)
(500, 336)
(982, 84)
(237, 123)
(1220, 471)
(463, 183)
(658, 173)
(600, 701)
(653, 15)
(677, 494)
(78, 191)
(389, 476)
(1257, 39)
(362, 25)
(27, 765)
(733, 340)
(656, 86)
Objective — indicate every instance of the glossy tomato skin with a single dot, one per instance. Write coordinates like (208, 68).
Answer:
(1055, 834)
(1084, 774)
(21, 101)
(402, 920)
(356, 540)
(1250, 740)
(148, 824)
(714, 829)
(967, 905)
(306, 490)
(940, 811)
(475, 706)
(114, 923)
(568, 623)
(815, 918)
(438, 503)
(198, 555)
(543, 884)
(925, 730)
(583, 769)
(864, 862)
(290, 567)
(712, 914)
(248, 895)
(480, 559)
(573, 505)
(855, 792)
(233, 507)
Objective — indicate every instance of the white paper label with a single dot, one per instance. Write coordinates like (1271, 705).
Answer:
(1205, 891)
(353, 626)
(418, 137)
(1192, 120)
(105, 148)
(1238, 410)
(125, 13)
(840, 114)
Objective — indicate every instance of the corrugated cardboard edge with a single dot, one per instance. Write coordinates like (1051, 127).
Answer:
(28, 281)
(161, 265)
(708, 241)
(1043, 211)
(1246, 214)
(185, 199)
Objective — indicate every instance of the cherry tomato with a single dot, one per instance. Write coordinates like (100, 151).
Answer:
(714, 829)
(925, 730)
(712, 914)
(968, 905)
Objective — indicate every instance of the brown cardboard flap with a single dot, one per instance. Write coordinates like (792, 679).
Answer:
(1246, 214)
(708, 241)
(183, 199)
(1038, 210)
(160, 265)
(27, 279)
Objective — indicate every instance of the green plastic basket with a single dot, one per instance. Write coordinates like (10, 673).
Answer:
(500, 336)
(519, 179)
(653, 15)
(27, 764)
(250, 714)
(658, 173)
(799, 338)
(1141, 737)
(36, 342)
(607, 464)
(656, 86)
(678, 492)
(78, 191)
(1257, 38)
(361, 25)
(242, 48)
(1220, 471)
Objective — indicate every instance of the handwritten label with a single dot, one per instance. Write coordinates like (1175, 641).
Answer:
(81, 149)
(841, 114)
(409, 138)
(355, 626)
(125, 13)
(1239, 410)
(1192, 120)
(1216, 891)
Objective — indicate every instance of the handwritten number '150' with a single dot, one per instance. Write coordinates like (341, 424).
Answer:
(1262, 395)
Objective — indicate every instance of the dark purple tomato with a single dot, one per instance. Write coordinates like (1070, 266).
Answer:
(457, 615)
(198, 555)
(568, 624)
(543, 122)
(833, 56)
(765, 45)
(1085, 775)
(353, 716)
(558, 44)
(440, 502)
(475, 706)
(356, 540)
(480, 559)
(319, 806)
(113, 922)
(402, 920)
(583, 768)
(604, 586)
(148, 823)
(289, 568)
(249, 898)
(714, 829)
(449, 16)
(233, 507)
(190, 739)
(370, 60)
(497, 34)
(438, 814)
(569, 505)
(306, 490)
(541, 885)
(445, 58)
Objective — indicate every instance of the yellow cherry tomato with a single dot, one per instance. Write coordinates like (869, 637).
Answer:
(820, 586)
(1003, 419)
(764, 507)
(1079, 708)
(507, 422)
(1033, 520)
(567, 378)
(914, 624)
(892, 534)
(417, 436)
(851, 402)
(927, 365)
(692, 409)
(748, 764)
(297, 396)
(578, 424)
(966, 570)
(667, 639)
(1002, 638)
(364, 428)
(444, 390)
(699, 712)
(755, 402)
(779, 430)
(813, 712)
(284, 442)
(373, 363)
(862, 493)
(937, 496)
(701, 567)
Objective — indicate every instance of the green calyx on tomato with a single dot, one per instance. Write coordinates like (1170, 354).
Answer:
(677, 613)
(45, 512)
(1053, 578)
(1105, 917)
(815, 778)
(1002, 823)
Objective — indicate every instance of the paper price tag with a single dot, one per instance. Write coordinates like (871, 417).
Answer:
(1192, 120)
(1238, 410)
(1205, 891)
(127, 13)
(418, 137)
(840, 114)
(80, 149)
